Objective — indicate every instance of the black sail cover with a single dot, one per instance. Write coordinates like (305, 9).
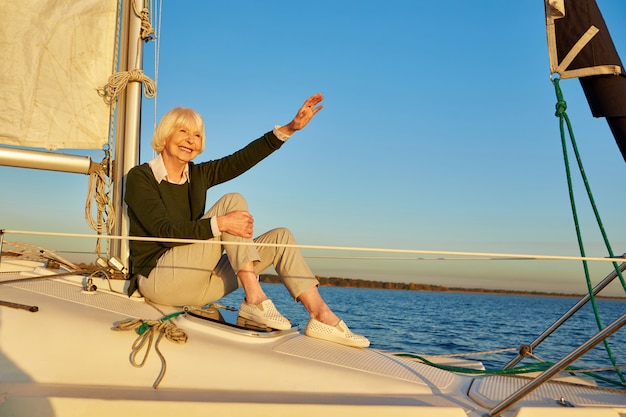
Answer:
(579, 45)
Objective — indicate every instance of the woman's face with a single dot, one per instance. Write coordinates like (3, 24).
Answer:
(183, 144)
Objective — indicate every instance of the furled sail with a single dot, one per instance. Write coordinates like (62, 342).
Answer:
(579, 45)
(54, 55)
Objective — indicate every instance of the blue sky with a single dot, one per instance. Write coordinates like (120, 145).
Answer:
(438, 133)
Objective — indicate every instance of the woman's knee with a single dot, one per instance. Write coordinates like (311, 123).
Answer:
(227, 203)
(282, 235)
(235, 201)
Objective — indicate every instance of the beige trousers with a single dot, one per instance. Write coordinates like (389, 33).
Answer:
(201, 273)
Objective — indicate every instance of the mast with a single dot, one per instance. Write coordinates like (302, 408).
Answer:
(128, 125)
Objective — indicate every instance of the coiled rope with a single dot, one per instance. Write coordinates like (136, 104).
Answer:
(98, 193)
(146, 329)
(561, 107)
(119, 81)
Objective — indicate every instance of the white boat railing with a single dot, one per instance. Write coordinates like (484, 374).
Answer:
(489, 255)
(528, 349)
(559, 366)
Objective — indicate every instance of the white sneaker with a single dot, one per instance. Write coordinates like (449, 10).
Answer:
(338, 334)
(264, 313)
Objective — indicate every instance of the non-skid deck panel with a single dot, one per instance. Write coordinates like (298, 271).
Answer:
(492, 390)
(73, 293)
(368, 360)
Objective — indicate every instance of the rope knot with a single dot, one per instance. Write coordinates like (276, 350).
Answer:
(561, 107)
(147, 31)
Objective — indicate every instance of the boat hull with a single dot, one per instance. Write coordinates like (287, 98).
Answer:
(66, 359)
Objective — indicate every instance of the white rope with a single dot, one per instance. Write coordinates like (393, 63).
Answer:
(97, 193)
(499, 256)
(118, 82)
(147, 31)
(29, 251)
(151, 327)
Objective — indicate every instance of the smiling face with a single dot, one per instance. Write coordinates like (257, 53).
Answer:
(183, 144)
(172, 125)
(179, 138)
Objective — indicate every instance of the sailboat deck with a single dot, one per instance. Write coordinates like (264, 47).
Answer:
(491, 390)
(431, 391)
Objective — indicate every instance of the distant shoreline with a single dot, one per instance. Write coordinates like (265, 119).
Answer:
(361, 283)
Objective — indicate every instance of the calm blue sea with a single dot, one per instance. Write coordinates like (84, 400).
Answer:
(434, 323)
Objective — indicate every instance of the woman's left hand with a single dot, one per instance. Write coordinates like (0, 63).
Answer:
(309, 109)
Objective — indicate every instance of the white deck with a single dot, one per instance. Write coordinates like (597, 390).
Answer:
(65, 360)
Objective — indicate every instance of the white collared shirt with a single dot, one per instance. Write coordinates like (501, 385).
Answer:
(160, 172)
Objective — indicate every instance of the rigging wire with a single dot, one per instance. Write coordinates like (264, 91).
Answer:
(157, 16)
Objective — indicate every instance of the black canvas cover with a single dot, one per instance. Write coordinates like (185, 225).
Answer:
(597, 65)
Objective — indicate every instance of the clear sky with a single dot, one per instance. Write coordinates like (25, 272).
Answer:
(438, 133)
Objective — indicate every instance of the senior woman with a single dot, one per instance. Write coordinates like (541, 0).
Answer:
(166, 198)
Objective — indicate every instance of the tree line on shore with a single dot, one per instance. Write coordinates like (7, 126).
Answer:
(410, 286)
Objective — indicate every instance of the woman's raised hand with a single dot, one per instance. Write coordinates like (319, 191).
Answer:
(309, 109)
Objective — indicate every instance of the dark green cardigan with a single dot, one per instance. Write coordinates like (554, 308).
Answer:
(175, 211)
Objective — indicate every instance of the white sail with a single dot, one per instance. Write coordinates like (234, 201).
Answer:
(53, 58)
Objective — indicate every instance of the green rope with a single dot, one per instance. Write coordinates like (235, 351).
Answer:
(536, 367)
(520, 370)
(561, 107)
(146, 324)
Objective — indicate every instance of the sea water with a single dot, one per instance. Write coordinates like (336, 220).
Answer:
(436, 323)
